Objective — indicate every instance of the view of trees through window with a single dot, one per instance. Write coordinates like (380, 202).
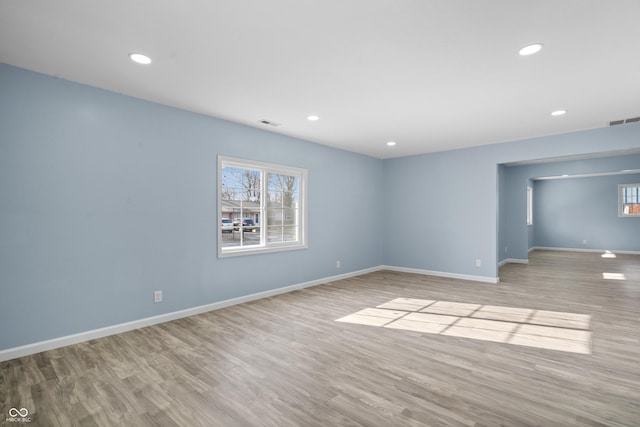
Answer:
(282, 208)
(259, 206)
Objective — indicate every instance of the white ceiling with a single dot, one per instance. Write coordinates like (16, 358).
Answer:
(431, 75)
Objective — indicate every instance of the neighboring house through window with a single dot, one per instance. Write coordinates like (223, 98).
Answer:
(266, 203)
(629, 200)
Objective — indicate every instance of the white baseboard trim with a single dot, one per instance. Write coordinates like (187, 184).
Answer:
(28, 349)
(513, 261)
(442, 274)
(25, 350)
(601, 251)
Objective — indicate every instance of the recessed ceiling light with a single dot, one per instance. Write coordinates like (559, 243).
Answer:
(313, 118)
(530, 49)
(140, 58)
(391, 143)
(559, 113)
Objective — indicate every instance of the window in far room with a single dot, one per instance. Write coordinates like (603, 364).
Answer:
(261, 207)
(629, 200)
(529, 205)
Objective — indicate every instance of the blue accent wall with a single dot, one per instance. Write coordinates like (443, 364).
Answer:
(446, 204)
(520, 237)
(569, 211)
(105, 198)
(450, 199)
(501, 249)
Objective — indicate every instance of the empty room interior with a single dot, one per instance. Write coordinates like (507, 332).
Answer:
(296, 213)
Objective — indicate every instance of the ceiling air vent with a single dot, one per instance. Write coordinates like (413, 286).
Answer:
(269, 122)
(620, 122)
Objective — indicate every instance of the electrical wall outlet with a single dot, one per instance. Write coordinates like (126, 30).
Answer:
(584, 242)
(337, 264)
(157, 296)
(478, 263)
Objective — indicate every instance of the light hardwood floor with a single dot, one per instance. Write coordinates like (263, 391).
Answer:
(285, 361)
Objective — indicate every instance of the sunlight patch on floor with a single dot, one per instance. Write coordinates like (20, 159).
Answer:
(614, 276)
(553, 330)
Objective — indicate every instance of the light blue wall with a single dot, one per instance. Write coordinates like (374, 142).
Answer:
(519, 236)
(106, 198)
(450, 201)
(569, 211)
(502, 213)
(446, 205)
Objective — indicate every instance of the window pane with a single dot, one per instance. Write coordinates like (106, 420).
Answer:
(290, 216)
(282, 199)
(282, 217)
(282, 182)
(290, 233)
(240, 201)
(274, 217)
(239, 238)
(274, 199)
(277, 234)
(241, 184)
(289, 199)
(274, 234)
(283, 190)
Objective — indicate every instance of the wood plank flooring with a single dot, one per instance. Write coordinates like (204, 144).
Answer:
(285, 361)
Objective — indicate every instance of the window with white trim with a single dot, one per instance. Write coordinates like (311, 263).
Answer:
(261, 207)
(529, 205)
(629, 200)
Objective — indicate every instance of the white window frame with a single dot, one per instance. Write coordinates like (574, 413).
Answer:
(621, 203)
(264, 246)
(529, 205)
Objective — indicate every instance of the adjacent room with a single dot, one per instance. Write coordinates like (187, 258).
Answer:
(294, 213)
